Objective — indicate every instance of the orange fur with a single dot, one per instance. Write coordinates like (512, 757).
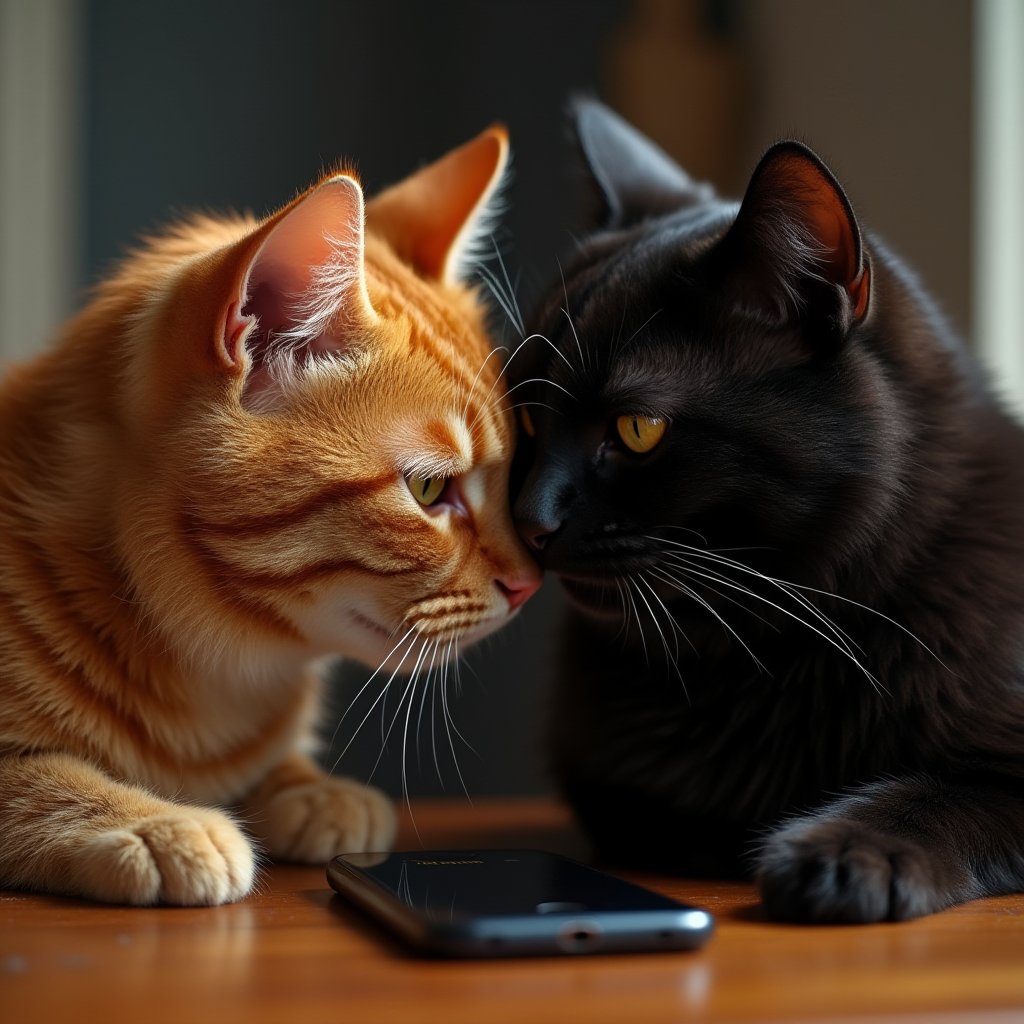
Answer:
(176, 555)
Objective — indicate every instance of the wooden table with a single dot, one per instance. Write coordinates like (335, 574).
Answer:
(294, 952)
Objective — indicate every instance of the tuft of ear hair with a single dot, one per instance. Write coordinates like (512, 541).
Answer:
(300, 299)
(434, 218)
(303, 291)
(796, 244)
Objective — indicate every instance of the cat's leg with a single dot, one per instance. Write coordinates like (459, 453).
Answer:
(66, 827)
(895, 850)
(302, 814)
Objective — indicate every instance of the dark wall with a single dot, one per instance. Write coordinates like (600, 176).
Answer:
(238, 105)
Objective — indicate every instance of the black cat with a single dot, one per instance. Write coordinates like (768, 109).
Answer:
(789, 517)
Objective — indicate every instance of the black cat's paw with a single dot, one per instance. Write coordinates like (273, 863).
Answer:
(842, 871)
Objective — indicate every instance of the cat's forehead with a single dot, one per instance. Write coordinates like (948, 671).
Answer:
(616, 272)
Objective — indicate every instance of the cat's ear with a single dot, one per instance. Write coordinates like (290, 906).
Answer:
(301, 290)
(633, 177)
(796, 245)
(438, 219)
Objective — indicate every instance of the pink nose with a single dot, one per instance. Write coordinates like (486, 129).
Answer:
(518, 590)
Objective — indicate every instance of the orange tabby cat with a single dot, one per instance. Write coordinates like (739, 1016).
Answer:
(262, 444)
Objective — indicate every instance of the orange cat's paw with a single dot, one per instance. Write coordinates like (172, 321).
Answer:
(314, 821)
(188, 856)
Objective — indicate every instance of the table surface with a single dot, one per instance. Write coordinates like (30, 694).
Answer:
(293, 951)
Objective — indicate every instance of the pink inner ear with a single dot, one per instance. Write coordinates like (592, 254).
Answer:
(823, 209)
(271, 293)
(305, 285)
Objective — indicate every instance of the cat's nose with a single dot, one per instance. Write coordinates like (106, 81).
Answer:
(518, 590)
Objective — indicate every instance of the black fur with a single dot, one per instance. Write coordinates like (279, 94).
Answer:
(849, 724)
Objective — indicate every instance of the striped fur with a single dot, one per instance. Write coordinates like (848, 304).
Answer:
(173, 563)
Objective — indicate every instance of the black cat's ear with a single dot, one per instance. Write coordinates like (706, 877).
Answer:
(633, 177)
(796, 246)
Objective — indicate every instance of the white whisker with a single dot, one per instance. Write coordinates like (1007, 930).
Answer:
(505, 301)
(352, 703)
(472, 387)
(449, 724)
(639, 624)
(657, 625)
(554, 348)
(409, 687)
(667, 577)
(706, 556)
(565, 310)
(839, 645)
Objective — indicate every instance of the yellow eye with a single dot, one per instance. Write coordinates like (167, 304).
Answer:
(640, 433)
(426, 489)
(527, 421)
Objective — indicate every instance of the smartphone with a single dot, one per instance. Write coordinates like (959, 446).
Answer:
(492, 903)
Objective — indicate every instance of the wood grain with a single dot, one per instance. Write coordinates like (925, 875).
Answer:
(296, 952)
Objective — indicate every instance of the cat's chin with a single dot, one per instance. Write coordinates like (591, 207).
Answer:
(598, 599)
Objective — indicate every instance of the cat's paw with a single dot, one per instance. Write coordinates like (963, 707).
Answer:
(187, 856)
(843, 871)
(312, 822)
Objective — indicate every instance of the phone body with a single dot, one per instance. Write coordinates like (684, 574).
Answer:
(494, 903)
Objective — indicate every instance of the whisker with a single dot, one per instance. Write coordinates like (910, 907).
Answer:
(539, 405)
(625, 344)
(725, 597)
(510, 289)
(446, 718)
(670, 526)
(426, 687)
(565, 310)
(500, 379)
(409, 687)
(500, 297)
(572, 327)
(664, 643)
(554, 348)
(540, 380)
(376, 672)
(433, 733)
(472, 387)
(816, 612)
(624, 628)
(839, 645)
(639, 624)
(669, 616)
(667, 577)
(405, 741)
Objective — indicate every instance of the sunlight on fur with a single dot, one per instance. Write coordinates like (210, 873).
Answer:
(203, 498)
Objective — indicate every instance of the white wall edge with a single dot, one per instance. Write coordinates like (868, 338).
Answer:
(998, 261)
(39, 170)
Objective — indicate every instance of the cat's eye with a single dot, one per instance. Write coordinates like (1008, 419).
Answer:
(527, 421)
(640, 433)
(426, 489)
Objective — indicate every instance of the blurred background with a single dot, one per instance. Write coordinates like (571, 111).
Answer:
(116, 114)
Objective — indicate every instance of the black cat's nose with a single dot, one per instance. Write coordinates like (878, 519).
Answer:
(542, 507)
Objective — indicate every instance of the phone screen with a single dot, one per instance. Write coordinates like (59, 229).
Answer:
(508, 902)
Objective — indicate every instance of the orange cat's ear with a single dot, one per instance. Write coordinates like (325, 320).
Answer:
(435, 218)
(302, 291)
